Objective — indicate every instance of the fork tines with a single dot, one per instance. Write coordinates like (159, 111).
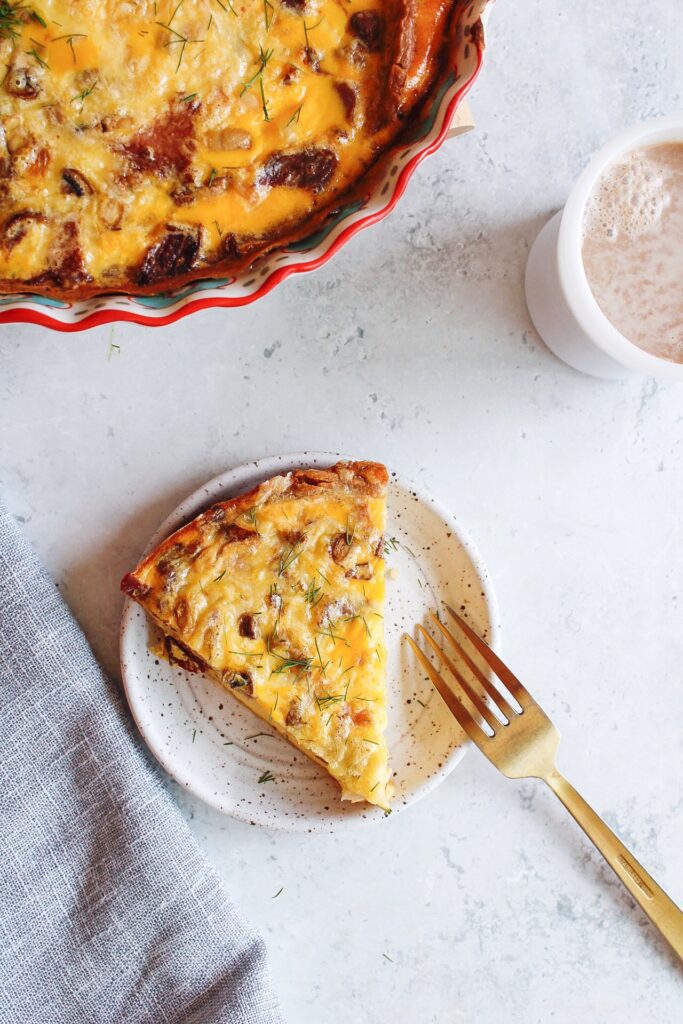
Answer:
(493, 707)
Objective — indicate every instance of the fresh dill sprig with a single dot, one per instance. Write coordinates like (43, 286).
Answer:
(250, 515)
(390, 544)
(313, 593)
(329, 698)
(82, 96)
(34, 53)
(228, 8)
(266, 777)
(309, 28)
(268, 11)
(294, 119)
(70, 41)
(324, 665)
(263, 58)
(333, 636)
(10, 19)
(288, 557)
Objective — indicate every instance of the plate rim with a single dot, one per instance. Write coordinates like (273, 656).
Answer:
(269, 465)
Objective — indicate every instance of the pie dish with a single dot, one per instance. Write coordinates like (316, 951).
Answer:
(149, 145)
(355, 195)
(278, 595)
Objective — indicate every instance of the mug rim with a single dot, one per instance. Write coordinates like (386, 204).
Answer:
(573, 280)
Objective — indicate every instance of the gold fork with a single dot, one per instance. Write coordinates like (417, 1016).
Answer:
(521, 742)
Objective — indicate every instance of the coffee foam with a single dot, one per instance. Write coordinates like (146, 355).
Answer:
(628, 199)
(633, 247)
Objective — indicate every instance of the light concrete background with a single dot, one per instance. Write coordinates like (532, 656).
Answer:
(484, 903)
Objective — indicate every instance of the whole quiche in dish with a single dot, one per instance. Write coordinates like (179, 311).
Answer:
(148, 143)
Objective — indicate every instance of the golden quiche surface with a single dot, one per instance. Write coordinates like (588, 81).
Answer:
(152, 141)
(279, 596)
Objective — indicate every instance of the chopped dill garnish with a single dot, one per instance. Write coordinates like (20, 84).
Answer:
(194, 733)
(320, 659)
(309, 28)
(313, 593)
(327, 699)
(217, 579)
(256, 736)
(113, 350)
(391, 544)
(190, 96)
(250, 515)
(85, 93)
(264, 103)
(70, 41)
(372, 791)
(322, 576)
(294, 119)
(385, 955)
(228, 8)
(289, 663)
(263, 58)
(34, 53)
(175, 10)
(374, 742)
(10, 20)
(266, 777)
(268, 11)
(288, 557)
(278, 893)
(420, 702)
(333, 636)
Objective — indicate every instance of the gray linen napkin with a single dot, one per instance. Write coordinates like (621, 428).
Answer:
(109, 910)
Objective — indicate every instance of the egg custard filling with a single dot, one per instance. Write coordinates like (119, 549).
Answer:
(150, 142)
(278, 595)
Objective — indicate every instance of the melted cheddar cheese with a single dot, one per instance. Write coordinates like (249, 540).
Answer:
(226, 121)
(282, 602)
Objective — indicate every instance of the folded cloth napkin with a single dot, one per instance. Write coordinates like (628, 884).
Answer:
(109, 911)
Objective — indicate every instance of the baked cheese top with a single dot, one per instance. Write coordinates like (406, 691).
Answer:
(224, 121)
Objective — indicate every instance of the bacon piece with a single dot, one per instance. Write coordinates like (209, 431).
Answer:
(75, 182)
(15, 228)
(309, 168)
(368, 26)
(67, 266)
(246, 626)
(134, 587)
(165, 148)
(347, 94)
(174, 254)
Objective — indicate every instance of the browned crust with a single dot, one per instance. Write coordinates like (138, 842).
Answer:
(367, 479)
(397, 103)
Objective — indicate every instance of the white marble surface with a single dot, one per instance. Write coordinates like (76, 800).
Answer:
(414, 346)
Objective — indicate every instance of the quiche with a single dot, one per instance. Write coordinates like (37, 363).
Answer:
(147, 143)
(278, 595)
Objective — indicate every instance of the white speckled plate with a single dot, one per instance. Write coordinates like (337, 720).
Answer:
(217, 749)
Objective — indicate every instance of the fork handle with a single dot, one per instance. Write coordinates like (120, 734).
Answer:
(652, 899)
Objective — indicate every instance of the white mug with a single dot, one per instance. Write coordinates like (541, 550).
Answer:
(560, 301)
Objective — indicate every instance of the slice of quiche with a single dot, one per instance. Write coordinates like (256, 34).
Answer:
(278, 595)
